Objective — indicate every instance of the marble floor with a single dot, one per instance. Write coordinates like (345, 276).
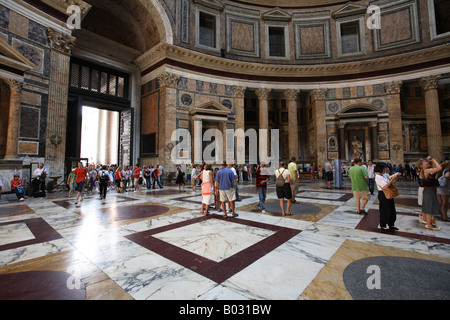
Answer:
(156, 245)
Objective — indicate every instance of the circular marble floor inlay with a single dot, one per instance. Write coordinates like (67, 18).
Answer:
(296, 208)
(397, 278)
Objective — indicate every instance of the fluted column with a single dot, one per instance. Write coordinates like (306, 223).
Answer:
(395, 121)
(55, 146)
(292, 98)
(434, 130)
(168, 83)
(320, 129)
(239, 93)
(12, 139)
(263, 141)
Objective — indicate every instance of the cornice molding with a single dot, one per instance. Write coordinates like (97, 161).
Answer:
(166, 51)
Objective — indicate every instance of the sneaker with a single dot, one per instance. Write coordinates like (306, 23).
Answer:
(392, 228)
(263, 211)
(21, 199)
(362, 212)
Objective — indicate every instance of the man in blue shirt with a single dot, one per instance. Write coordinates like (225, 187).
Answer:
(224, 183)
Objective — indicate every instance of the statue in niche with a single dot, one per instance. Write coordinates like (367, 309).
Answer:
(414, 134)
(357, 148)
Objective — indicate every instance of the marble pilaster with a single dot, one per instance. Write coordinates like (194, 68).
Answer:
(168, 98)
(374, 139)
(395, 121)
(55, 146)
(12, 139)
(320, 129)
(433, 119)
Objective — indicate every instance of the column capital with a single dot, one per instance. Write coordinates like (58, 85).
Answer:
(430, 82)
(59, 41)
(263, 93)
(373, 124)
(168, 80)
(239, 91)
(393, 87)
(319, 94)
(341, 125)
(291, 94)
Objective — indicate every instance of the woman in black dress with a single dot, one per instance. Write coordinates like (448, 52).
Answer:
(180, 178)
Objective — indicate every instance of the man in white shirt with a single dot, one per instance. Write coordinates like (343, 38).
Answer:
(371, 174)
(39, 176)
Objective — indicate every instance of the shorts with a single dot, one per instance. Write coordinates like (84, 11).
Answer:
(361, 195)
(80, 186)
(284, 191)
(227, 195)
(329, 175)
(136, 181)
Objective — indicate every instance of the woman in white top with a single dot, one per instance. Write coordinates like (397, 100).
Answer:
(388, 214)
(207, 179)
(285, 190)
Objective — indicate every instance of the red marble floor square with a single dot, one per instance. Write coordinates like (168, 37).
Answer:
(41, 230)
(216, 271)
(371, 220)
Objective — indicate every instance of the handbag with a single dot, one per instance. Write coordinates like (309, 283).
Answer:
(391, 192)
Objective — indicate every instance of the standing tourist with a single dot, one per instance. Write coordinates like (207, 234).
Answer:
(193, 177)
(180, 178)
(119, 179)
(137, 176)
(371, 175)
(207, 179)
(103, 177)
(82, 175)
(388, 214)
(358, 176)
(71, 182)
(328, 173)
(225, 180)
(293, 173)
(261, 187)
(284, 190)
(430, 204)
(443, 190)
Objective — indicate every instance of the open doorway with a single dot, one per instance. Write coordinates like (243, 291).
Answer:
(99, 135)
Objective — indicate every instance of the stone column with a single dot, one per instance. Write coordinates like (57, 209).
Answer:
(12, 139)
(434, 130)
(341, 132)
(239, 93)
(58, 92)
(395, 121)
(292, 98)
(374, 139)
(168, 83)
(320, 129)
(263, 95)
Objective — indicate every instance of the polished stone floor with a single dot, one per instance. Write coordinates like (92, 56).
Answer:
(155, 244)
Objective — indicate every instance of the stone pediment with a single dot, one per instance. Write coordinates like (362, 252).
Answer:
(214, 4)
(211, 108)
(277, 14)
(12, 58)
(350, 9)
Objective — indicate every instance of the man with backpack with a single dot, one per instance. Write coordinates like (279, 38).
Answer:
(103, 176)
